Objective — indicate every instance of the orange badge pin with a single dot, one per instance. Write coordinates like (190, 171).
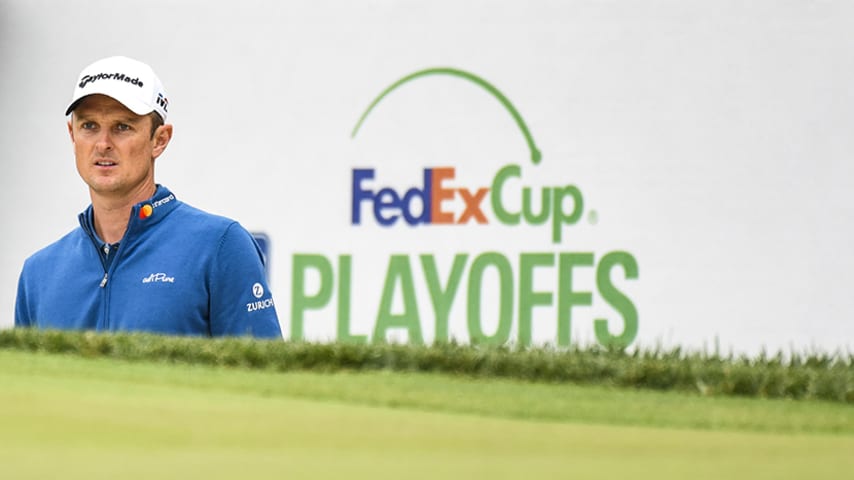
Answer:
(145, 211)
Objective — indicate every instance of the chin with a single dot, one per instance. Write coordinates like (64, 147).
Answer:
(104, 188)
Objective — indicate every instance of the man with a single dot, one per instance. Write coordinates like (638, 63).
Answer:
(141, 259)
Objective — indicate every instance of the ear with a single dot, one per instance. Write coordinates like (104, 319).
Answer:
(161, 139)
(70, 131)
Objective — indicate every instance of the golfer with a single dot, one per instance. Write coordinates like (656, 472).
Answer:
(141, 259)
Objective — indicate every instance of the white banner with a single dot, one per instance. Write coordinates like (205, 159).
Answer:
(644, 173)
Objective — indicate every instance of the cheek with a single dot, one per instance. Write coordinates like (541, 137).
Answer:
(140, 153)
(80, 151)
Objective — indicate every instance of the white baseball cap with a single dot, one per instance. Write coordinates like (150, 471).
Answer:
(128, 81)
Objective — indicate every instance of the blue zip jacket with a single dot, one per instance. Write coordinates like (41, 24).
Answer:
(177, 271)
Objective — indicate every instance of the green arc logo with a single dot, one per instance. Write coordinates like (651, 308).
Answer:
(536, 156)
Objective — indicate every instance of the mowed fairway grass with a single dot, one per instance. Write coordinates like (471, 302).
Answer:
(71, 417)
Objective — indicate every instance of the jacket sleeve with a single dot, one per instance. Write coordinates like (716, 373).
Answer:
(22, 308)
(240, 299)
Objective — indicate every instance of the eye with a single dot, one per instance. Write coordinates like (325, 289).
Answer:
(88, 125)
(123, 127)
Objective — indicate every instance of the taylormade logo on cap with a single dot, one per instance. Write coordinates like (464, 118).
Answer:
(130, 82)
(117, 76)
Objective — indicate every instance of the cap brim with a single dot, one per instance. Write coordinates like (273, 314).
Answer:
(138, 108)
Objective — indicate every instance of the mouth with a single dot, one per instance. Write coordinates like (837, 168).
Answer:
(105, 163)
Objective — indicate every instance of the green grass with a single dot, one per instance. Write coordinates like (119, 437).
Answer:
(811, 376)
(63, 416)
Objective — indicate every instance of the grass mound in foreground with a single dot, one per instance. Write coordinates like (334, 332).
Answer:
(108, 418)
(816, 376)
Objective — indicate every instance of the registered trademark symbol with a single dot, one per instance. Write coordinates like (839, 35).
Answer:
(593, 217)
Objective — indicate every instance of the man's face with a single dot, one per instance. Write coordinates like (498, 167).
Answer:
(114, 147)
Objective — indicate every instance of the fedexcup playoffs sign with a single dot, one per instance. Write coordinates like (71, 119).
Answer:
(485, 296)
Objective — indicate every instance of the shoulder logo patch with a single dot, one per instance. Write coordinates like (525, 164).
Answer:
(258, 292)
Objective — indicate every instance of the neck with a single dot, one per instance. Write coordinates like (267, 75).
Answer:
(112, 212)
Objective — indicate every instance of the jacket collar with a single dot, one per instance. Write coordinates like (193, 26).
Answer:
(143, 215)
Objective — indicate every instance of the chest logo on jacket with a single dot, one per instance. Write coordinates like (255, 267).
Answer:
(158, 277)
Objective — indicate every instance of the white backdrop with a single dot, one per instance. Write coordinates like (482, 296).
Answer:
(711, 139)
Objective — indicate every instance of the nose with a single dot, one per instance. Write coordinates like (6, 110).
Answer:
(104, 143)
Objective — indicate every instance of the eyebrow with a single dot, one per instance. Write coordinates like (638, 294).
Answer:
(123, 118)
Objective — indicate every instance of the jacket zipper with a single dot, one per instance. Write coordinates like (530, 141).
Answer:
(103, 285)
(103, 320)
(107, 249)
(113, 265)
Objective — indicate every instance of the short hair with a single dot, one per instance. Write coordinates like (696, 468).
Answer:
(156, 122)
